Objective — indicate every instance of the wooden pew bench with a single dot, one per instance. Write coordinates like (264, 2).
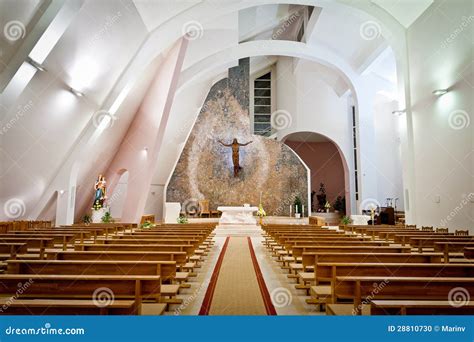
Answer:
(419, 307)
(41, 286)
(165, 269)
(66, 307)
(422, 288)
(328, 272)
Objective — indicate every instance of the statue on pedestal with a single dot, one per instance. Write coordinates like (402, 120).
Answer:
(235, 154)
(100, 193)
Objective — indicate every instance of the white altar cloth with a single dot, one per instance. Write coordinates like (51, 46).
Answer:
(237, 216)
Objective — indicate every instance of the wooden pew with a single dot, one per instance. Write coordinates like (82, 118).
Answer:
(300, 250)
(314, 257)
(179, 257)
(40, 243)
(422, 242)
(65, 307)
(188, 249)
(419, 307)
(328, 272)
(469, 252)
(447, 247)
(165, 269)
(423, 288)
(76, 286)
(10, 250)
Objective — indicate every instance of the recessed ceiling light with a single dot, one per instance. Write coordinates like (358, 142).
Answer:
(439, 92)
(35, 64)
(76, 92)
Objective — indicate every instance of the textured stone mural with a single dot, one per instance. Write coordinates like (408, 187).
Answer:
(205, 168)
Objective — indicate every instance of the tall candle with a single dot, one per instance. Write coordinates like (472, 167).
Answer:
(291, 210)
(302, 211)
(296, 209)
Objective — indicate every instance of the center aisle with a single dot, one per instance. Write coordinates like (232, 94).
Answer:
(237, 286)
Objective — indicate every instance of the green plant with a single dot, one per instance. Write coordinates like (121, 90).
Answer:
(297, 203)
(346, 220)
(107, 218)
(86, 219)
(147, 225)
(182, 219)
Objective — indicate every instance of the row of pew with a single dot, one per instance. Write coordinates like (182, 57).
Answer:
(99, 268)
(361, 270)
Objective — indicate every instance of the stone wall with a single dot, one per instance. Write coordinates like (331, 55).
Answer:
(205, 168)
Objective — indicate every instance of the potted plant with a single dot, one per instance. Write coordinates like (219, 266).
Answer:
(86, 219)
(147, 225)
(182, 219)
(107, 218)
(321, 196)
(298, 206)
(346, 220)
(261, 214)
(327, 206)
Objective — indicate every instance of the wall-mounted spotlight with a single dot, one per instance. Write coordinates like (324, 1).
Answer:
(145, 149)
(35, 64)
(76, 92)
(61, 192)
(439, 92)
(399, 112)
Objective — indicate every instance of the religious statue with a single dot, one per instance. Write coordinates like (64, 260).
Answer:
(235, 154)
(100, 192)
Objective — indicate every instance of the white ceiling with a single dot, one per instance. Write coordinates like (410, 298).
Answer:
(405, 11)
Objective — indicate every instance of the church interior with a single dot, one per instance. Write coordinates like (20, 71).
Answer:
(236, 157)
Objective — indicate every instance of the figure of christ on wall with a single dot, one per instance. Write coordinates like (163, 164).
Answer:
(235, 145)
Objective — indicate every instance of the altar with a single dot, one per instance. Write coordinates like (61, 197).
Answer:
(238, 216)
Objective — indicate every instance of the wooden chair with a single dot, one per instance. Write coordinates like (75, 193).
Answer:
(427, 229)
(204, 208)
(149, 218)
(461, 232)
(442, 230)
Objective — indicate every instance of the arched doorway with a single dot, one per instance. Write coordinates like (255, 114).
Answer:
(328, 168)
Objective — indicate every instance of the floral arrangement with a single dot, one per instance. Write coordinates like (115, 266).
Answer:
(182, 219)
(147, 225)
(327, 205)
(260, 211)
(97, 205)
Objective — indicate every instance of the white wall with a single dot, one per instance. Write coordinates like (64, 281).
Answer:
(314, 106)
(440, 54)
(308, 94)
(388, 154)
